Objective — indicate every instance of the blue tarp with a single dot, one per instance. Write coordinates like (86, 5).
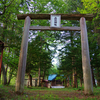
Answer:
(52, 77)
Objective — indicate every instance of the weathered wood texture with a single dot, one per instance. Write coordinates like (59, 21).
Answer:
(87, 76)
(44, 28)
(63, 16)
(22, 59)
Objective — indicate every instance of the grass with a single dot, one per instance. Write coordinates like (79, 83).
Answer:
(55, 89)
(38, 93)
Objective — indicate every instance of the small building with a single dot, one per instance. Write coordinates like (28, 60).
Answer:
(35, 82)
(44, 83)
(54, 82)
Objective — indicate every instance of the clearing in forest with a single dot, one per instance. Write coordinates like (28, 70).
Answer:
(38, 93)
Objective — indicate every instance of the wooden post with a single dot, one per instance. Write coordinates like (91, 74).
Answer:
(22, 59)
(87, 75)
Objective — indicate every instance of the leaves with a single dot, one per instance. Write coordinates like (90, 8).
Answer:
(40, 42)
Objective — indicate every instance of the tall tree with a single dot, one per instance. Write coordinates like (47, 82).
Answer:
(93, 7)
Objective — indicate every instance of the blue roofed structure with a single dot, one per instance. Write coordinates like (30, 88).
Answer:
(54, 81)
(52, 77)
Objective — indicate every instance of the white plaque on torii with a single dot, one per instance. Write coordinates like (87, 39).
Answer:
(55, 21)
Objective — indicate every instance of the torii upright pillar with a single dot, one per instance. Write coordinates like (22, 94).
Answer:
(87, 75)
(22, 59)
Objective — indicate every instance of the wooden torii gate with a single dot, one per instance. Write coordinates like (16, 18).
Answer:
(87, 76)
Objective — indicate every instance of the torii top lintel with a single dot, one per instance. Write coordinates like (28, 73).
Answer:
(63, 16)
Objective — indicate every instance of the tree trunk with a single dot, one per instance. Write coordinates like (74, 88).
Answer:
(10, 75)
(43, 74)
(71, 80)
(35, 82)
(39, 76)
(93, 78)
(75, 85)
(1, 56)
(73, 77)
(73, 74)
(28, 83)
(80, 82)
(30, 80)
(68, 82)
(6, 69)
(98, 76)
(4, 75)
(65, 82)
(9, 79)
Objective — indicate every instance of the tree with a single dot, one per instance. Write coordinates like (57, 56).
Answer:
(38, 58)
(5, 5)
(71, 58)
(10, 62)
(93, 7)
(10, 34)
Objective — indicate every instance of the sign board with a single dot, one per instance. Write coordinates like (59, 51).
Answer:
(55, 21)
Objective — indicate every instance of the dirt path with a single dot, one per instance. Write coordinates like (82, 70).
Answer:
(8, 93)
(62, 94)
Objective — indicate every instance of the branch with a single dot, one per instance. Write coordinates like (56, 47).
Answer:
(5, 7)
(9, 3)
(3, 2)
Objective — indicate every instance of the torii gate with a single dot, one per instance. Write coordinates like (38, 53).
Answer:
(87, 76)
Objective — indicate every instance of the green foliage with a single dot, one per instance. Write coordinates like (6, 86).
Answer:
(38, 56)
(52, 70)
(11, 59)
(70, 55)
(39, 53)
(90, 7)
(93, 7)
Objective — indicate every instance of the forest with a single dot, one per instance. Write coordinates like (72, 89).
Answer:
(46, 47)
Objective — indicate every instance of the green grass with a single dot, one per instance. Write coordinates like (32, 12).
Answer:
(38, 93)
(45, 88)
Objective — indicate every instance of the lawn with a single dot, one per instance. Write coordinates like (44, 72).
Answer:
(38, 93)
